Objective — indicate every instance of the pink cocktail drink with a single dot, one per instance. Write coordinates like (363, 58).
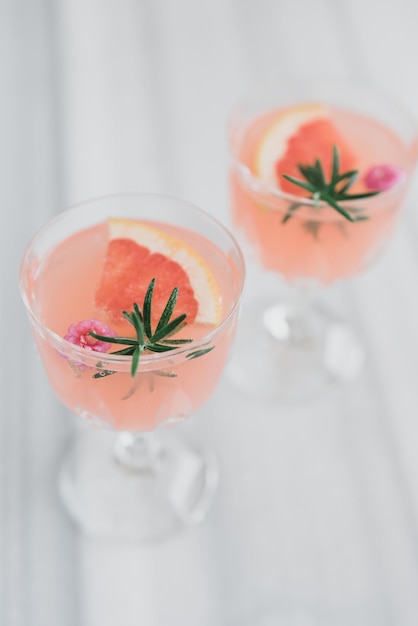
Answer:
(318, 174)
(317, 242)
(61, 287)
(133, 302)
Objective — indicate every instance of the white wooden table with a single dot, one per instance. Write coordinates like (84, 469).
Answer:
(318, 504)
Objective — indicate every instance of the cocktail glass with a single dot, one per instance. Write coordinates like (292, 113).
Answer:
(142, 483)
(306, 243)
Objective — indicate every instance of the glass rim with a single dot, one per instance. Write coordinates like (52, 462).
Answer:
(260, 186)
(329, 82)
(91, 357)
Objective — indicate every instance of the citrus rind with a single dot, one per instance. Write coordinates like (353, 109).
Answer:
(274, 142)
(202, 279)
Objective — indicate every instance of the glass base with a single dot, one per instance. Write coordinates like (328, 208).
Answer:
(121, 491)
(287, 355)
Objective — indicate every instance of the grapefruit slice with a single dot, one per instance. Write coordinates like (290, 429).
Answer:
(299, 135)
(136, 253)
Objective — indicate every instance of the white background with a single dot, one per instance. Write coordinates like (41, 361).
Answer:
(318, 503)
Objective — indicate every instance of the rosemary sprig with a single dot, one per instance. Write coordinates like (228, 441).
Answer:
(332, 192)
(146, 338)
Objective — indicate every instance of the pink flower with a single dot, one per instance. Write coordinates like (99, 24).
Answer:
(78, 334)
(383, 177)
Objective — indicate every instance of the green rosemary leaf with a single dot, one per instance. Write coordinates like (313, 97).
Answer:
(135, 361)
(157, 342)
(129, 341)
(168, 329)
(313, 174)
(197, 353)
(330, 192)
(148, 308)
(319, 173)
(358, 196)
(352, 175)
(125, 351)
(300, 183)
(137, 323)
(177, 329)
(176, 342)
(341, 191)
(293, 207)
(168, 310)
(138, 312)
(158, 347)
(336, 206)
(309, 173)
(103, 373)
(128, 317)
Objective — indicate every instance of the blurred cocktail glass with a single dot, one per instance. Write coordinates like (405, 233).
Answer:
(318, 173)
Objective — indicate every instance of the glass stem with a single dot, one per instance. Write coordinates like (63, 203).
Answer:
(289, 320)
(137, 452)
